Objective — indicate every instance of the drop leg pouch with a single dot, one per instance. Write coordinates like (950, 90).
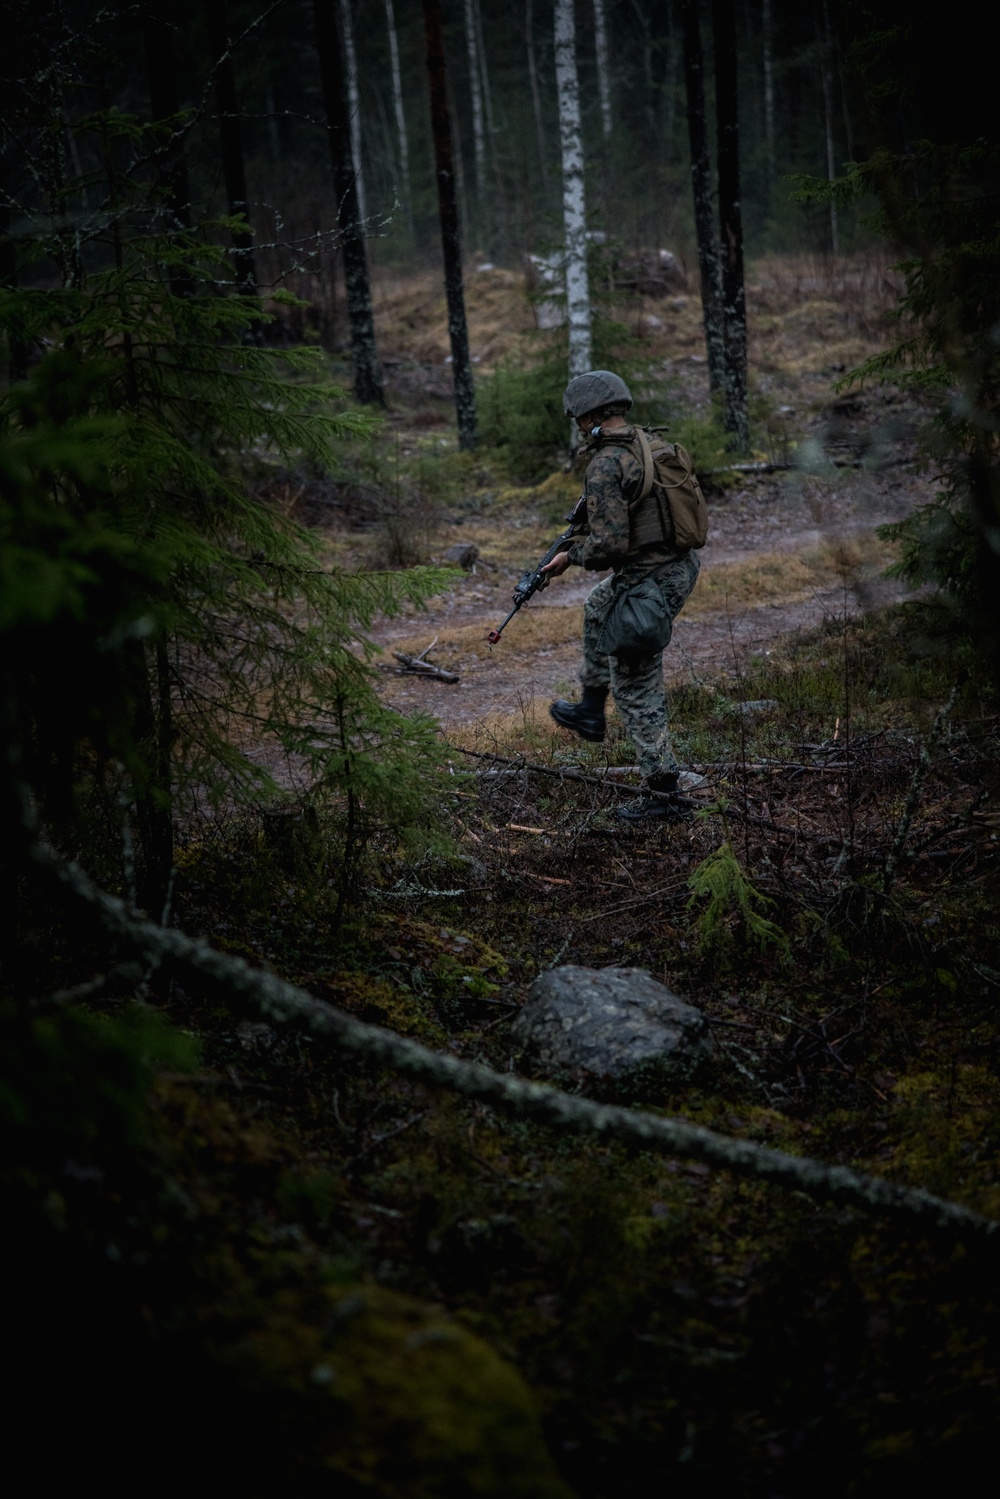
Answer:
(638, 622)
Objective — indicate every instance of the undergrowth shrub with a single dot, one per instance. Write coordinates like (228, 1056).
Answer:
(521, 411)
(734, 909)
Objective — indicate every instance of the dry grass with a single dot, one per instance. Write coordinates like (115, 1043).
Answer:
(784, 577)
(535, 629)
(411, 317)
(805, 312)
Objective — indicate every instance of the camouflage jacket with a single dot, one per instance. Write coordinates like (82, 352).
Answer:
(614, 478)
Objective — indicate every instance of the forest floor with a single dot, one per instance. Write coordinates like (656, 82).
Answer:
(399, 1282)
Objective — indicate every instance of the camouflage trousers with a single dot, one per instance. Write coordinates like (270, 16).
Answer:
(636, 681)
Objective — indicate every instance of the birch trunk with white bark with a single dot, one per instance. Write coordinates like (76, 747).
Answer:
(397, 99)
(332, 69)
(574, 196)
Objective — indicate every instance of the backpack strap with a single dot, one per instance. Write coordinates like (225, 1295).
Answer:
(648, 467)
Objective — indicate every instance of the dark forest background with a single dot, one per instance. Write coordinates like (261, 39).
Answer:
(279, 1209)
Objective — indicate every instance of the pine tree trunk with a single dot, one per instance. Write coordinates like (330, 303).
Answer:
(734, 310)
(353, 104)
(536, 98)
(767, 28)
(603, 67)
(164, 104)
(397, 99)
(451, 244)
(574, 198)
(701, 184)
(826, 60)
(231, 141)
(367, 374)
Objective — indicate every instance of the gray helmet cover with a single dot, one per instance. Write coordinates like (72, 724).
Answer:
(593, 390)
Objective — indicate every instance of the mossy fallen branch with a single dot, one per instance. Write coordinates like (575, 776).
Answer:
(281, 1003)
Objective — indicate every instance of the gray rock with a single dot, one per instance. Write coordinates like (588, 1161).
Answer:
(614, 1023)
(758, 705)
(463, 554)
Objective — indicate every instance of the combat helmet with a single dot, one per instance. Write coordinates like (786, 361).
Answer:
(595, 391)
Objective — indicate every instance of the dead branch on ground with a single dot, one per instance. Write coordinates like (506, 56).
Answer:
(278, 1002)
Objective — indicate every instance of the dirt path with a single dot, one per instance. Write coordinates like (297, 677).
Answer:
(780, 518)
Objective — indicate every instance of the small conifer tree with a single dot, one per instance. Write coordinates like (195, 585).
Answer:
(156, 612)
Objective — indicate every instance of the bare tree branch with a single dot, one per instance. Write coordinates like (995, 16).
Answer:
(282, 1003)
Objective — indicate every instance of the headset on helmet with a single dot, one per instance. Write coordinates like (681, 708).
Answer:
(594, 391)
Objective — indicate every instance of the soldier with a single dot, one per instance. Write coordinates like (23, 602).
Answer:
(638, 546)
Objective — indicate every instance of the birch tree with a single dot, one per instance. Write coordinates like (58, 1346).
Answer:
(397, 99)
(701, 186)
(451, 244)
(734, 307)
(367, 374)
(354, 104)
(603, 69)
(574, 198)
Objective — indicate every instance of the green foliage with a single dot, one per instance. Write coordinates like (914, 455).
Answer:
(520, 407)
(734, 907)
(153, 609)
(520, 412)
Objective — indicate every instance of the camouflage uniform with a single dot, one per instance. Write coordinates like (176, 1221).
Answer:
(614, 476)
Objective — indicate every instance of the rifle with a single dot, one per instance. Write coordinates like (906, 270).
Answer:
(533, 580)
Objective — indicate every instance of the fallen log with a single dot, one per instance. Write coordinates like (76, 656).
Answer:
(416, 666)
(278, 1002)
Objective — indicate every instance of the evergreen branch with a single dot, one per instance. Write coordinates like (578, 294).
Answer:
(278, 1002)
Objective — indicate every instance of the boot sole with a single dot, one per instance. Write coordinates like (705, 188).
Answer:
(575, 728)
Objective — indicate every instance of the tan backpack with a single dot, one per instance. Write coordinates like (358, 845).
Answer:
(678, 513)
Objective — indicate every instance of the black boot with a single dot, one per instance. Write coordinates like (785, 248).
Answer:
(585, 718)
(665, 806)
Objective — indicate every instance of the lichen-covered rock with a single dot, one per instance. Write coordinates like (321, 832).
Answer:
(614, 1023)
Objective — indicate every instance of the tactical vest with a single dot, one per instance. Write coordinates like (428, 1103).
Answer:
(669, 511)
